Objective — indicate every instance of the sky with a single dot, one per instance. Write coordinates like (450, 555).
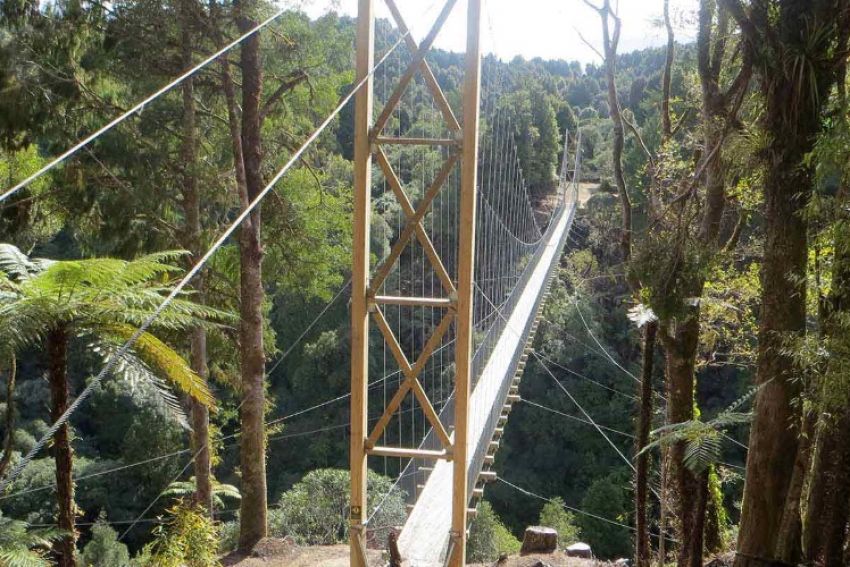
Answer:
(551, 29)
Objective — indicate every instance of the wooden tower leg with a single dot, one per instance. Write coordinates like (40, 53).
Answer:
(360, 281)
(466, 266)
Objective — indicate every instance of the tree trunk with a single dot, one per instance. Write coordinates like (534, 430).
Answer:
(789, 541)
(837, 510)
(680, 352)
(791, 120)
(829, 491)
(610, 42)
(9, 436)
(667, 76)
(773, 438)
(713, 528)
(253, 517)
(662, 507)
(643, 552)
(696, 541)
(192, 241)
(57, 352)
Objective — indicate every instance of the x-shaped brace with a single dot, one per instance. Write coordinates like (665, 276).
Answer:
(411, 381)
(414, 221)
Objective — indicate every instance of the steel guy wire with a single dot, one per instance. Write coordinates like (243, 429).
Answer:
(575, 510)
(138, 107)
(121, 352)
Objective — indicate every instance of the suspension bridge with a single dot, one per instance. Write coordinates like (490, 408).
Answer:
(476, 294)
(452, 261)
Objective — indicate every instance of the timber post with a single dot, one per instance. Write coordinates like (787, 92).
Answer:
(360, 280)
(466, 273)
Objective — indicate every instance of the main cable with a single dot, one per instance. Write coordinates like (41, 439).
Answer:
(121, 352)
(138, 107)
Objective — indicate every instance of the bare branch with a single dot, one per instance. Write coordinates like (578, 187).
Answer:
(633, 129)
(667, 78)
(736, 9)
(293, 80)
(590, 45)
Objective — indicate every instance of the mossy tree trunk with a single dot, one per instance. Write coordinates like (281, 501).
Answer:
(63, 455)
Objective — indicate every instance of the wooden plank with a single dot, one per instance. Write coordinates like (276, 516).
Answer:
(433, 342)
(409, 453)
(407, 208)
(392, 342)
(404, 141)
(398, 397)
(441, 302)
(360, 282)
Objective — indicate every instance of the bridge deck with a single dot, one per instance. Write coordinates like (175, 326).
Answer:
(425, 536)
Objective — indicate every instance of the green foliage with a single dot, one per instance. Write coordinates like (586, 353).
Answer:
(606, 497)
(555, 516)
(703, 440)
(532, 112)
(488, 536)
(186, 488)
(315, 510)
(104, 549)
(189, 538)
(103, 299)
(22, 547)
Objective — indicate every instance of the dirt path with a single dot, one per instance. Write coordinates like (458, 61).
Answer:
(558, 559)
(283, 553)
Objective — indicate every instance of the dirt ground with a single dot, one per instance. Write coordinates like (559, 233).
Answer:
(283, 553)
(586, 191)
(558, 559)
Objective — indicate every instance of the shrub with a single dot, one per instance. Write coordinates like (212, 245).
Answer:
(555, 516)
(104, 549)
(188, 539)
(488, 537)
(228, 536)
(315, 510)
(607, 498)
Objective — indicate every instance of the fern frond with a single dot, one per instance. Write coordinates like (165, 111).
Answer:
(15, 264)
(186, 488)
(143, 382)
(22, 557)
(734, 406)
(702, 451)
(167, 363)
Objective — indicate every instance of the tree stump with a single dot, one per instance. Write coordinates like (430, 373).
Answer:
(538, 539)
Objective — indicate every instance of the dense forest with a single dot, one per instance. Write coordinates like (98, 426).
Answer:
(699, 315)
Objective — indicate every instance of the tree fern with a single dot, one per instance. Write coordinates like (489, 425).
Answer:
(187, 489)
(104, 299)
(166, 362)
(23, 547)
(703, 440)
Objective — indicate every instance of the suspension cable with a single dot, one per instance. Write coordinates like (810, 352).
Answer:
(138, 107)
(121, 352)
